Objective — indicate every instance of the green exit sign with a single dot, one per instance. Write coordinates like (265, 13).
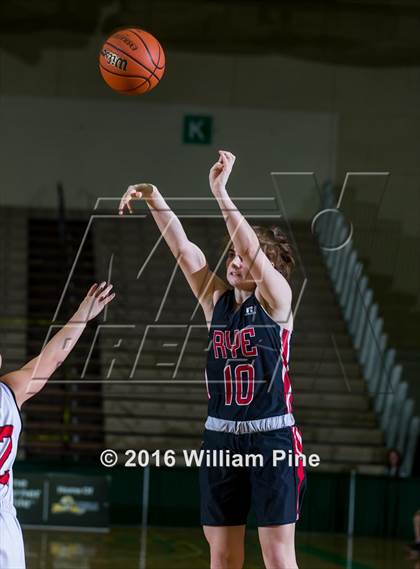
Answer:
(198, 129)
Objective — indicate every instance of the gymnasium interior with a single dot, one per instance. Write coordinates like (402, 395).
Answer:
(320, 103)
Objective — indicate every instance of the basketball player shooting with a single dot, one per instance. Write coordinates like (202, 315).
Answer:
(250, 322)
(17, 387)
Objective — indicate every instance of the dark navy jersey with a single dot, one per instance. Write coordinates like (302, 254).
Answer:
(247, 363)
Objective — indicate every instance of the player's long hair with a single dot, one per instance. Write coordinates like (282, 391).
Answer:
(276, 246)
(274, 243)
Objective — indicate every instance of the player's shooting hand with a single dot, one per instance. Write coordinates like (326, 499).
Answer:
(94, 302)
(135, 192)
(220, 172)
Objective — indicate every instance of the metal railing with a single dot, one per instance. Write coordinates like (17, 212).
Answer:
(391, 402)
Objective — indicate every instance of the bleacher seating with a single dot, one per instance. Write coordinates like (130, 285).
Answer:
(144, 406)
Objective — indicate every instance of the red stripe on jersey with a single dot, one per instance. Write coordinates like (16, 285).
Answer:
(287, 387)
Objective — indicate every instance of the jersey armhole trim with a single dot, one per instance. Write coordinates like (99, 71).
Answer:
(271, 318)
(14, 399)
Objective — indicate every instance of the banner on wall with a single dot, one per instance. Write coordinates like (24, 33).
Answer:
(62, 500)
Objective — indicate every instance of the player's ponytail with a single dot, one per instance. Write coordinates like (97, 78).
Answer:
(276, 246)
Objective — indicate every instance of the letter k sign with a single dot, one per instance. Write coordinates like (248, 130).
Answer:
(197, 129)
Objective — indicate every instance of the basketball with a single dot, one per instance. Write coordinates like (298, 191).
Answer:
(132, 61)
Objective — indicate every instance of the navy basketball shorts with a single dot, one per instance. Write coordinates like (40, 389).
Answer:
(273, 488)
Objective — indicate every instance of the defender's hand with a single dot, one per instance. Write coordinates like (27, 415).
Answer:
(94, 302)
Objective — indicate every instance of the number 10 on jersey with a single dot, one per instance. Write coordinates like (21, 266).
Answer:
(240, 380)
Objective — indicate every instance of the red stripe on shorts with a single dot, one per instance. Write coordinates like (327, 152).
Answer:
(298, 451)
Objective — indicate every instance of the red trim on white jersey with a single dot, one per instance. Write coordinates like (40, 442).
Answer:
(5, 433)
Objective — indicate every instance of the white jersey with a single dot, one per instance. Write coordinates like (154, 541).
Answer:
(11, 542)
(10, 427)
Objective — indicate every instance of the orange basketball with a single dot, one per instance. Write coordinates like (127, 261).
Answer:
(132, 61)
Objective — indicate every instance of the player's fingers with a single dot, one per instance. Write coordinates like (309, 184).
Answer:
(126, 200)
(99, 290)
(106, 291)
(126, 194)
(127, 203)
(122, 205)
(109, 298)
(92, 289)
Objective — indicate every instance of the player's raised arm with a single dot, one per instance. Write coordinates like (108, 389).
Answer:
(32, 377)
(202, 280)
(271, 284)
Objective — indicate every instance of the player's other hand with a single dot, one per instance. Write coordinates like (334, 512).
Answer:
(135, 192)
(220, 172)
(94, 302)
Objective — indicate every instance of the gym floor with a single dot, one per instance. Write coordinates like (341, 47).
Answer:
(185, 548)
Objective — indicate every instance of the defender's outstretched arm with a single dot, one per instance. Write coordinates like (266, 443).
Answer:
(32, 377)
